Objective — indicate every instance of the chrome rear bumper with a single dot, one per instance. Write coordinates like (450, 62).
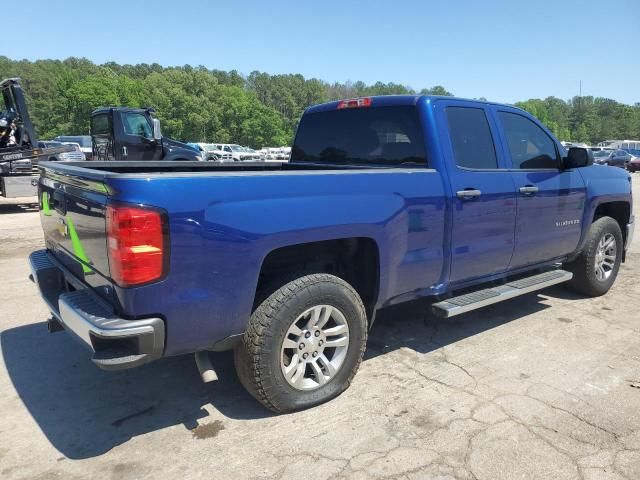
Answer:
(117, 343)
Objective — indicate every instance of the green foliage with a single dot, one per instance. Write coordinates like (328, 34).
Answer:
(197, 104)
(586, 119)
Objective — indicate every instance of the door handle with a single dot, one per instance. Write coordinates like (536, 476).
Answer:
(529, 189)
(468, 193)
(125, 152)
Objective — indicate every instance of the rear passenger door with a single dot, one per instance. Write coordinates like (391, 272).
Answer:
(483, 213)
(551, 200)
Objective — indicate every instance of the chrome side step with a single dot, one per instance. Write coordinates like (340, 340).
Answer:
(481, 298)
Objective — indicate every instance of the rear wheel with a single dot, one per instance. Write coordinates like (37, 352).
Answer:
(303, 344)
(595, 270)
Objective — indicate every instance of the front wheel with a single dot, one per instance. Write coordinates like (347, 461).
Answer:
(597, 266)
(303, 344)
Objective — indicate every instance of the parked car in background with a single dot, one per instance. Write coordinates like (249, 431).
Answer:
(253, 154)
(238, 153)
(132, 134)
(600, 155)
(76, 155)
(616, 158)
(214, 153)
(634, 164)
(83, 140)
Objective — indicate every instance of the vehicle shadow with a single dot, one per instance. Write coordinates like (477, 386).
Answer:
(31, 206)
(412, 325)
(85, 412)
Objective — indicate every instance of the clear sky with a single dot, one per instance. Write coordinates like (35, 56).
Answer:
(504, 50)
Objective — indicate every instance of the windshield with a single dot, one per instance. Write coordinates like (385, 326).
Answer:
(236, 148)
(82, 140)
(601, 153)
(361, 136)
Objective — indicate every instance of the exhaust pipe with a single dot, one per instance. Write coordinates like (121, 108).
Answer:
(53, 325)
(205, 367)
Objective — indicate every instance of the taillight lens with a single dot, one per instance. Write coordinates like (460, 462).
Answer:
(355, 103)
(136, 244)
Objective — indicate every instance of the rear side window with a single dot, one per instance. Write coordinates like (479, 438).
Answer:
(378, 136)
(100, 125)
(529, 145)
(471, 138)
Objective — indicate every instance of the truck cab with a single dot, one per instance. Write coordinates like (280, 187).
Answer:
(122, 133)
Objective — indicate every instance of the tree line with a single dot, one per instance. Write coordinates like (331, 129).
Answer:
(203, 105)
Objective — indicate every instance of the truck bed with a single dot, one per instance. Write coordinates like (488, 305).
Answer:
(224, 220)
(104, 170)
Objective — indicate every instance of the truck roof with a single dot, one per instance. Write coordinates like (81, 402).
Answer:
(397, 100)
(121, 109)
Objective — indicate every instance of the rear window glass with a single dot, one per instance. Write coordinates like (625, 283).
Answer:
(471, 138)
(100, 125)
(380, 136)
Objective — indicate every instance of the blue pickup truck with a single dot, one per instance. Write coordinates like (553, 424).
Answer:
(385, 199)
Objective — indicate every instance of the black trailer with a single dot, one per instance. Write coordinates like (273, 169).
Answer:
(19, 159)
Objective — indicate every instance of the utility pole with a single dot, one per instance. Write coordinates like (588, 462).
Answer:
(580, 94)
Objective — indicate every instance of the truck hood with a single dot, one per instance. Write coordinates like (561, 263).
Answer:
(172, 144)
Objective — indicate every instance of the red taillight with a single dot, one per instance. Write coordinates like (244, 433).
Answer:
(136, 244)
(355, 103)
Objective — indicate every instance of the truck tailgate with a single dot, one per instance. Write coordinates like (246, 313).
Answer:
(72, 213)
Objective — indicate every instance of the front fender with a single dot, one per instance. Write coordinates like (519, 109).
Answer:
(603, 185)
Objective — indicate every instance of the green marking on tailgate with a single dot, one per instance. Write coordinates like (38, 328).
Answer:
(78, 249)
(45, 204)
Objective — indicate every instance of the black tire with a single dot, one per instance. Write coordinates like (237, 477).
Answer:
(258, 357)
(584, 267)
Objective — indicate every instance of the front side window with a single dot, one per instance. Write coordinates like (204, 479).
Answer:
(137, 124)
(471, 138)
(376, 136)
(530, 147)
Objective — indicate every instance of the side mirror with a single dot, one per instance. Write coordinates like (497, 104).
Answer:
(578, 157)
(157, 135)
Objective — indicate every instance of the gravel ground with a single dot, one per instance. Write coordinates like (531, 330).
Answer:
(546, 386)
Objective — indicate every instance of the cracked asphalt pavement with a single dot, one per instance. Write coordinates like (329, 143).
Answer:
(546, 386)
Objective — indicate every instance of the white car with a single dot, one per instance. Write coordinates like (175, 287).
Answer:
(238, 153)
(84, 141)
(254, 155)
(76, 156)
(214, 153)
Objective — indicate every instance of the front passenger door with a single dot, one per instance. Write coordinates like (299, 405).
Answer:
(550, 200)
(483, 213)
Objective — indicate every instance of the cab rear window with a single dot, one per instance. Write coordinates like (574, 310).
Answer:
(377, 136)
